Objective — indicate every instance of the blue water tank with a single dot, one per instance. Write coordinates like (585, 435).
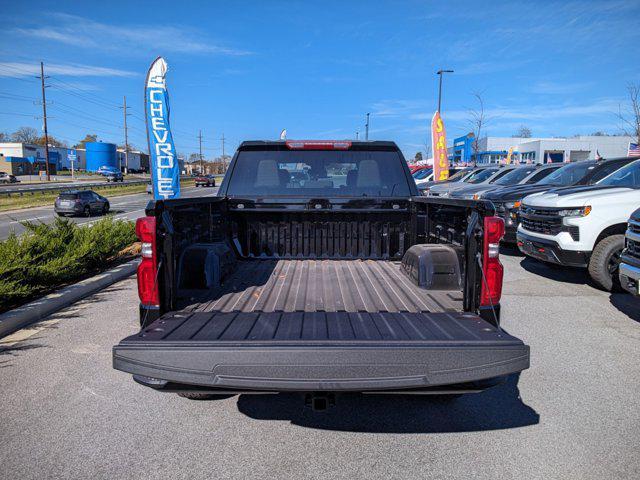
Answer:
(100, 154)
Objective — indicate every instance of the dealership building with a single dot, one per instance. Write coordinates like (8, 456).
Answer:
(538, 150)
(27, 159)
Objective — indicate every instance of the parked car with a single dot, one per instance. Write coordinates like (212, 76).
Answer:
(485, 176)
(245, 305)
(80, 202)
(507, 200)
(520, 175)
(414, 168)
(114, 177)
(582, 226)
(461, 175)
(107, 170)
(205, 181)
(8, 178)
(423, 175)
(630, 260)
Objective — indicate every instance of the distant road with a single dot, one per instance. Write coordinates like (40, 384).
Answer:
(96, 182)
(125, 207)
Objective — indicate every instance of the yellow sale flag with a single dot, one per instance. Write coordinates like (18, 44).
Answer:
(439, 147)
(509, 155)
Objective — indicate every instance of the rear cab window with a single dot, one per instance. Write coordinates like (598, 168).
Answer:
(319, 173)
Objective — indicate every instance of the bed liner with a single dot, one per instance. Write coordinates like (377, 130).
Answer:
(325, 325)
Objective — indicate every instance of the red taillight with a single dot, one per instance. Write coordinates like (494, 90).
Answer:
(491, 266)
(318, 145)
(147, 270)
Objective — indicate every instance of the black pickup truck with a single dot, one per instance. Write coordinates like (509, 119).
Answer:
(319, 269)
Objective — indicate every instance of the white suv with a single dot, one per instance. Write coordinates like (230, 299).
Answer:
(582, 226)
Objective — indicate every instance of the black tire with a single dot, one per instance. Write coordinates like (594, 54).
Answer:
(105, 209)
(87, 211)
(605, 262)
(203, 396)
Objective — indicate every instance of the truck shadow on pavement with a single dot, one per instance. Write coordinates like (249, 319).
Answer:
(627, 304)
(574, 275)
(497, 408)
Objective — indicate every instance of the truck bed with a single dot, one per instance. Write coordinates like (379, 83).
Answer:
(324, 286)
(316, 325)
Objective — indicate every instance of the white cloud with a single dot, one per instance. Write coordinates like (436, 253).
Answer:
(86, 33)
(24, 69)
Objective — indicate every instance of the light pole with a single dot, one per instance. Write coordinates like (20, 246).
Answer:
(440, 72)
(366, 131)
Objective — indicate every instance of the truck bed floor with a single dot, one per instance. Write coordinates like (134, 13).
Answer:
(372, 286)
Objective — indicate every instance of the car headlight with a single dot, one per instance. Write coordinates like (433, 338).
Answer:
(575, 212)
(512, 205)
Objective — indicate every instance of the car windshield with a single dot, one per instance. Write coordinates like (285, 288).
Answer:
(458, 175)
(422, 174)
(515, 176)
(481, 175)
(313, 173)
(568, 175)
(628, 176)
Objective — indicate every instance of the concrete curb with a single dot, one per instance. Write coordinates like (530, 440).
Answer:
(39, 309)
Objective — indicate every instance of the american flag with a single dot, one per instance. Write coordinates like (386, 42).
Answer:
(634, 149)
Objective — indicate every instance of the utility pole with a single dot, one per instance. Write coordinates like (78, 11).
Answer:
(126, 136)
(366, 132)
(201, 161)
(224, 162)
(440, 72)
(357, 135)
(44, 115)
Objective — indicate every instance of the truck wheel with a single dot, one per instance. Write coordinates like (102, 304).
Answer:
(203, 396)
(605, 262)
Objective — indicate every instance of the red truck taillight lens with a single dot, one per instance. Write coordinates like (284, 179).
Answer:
(491, 266)
(148, 268)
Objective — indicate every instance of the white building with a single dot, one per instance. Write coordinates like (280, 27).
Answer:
(540, 150)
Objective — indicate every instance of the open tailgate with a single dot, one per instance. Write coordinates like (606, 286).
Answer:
(320, 351)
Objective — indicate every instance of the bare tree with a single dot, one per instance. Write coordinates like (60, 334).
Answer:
(427, 148)
(25, 135)
(478, 120)
(523, 132)
(4, 137)
(630, 115)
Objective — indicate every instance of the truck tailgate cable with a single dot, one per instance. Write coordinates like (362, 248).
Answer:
(486, 285)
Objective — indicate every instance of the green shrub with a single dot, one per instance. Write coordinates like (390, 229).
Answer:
(47, 256)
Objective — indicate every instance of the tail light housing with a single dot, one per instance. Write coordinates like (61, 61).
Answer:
(147, 270)
(492, 269)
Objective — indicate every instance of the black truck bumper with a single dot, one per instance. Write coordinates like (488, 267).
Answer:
(444, 349)
(550, 251)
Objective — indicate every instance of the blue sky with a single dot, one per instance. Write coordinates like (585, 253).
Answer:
(249, 69)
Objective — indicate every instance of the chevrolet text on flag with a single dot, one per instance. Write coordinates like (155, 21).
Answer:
(439, 144)
(165, 172)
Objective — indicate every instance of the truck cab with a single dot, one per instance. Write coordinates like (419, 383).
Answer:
(582, 226)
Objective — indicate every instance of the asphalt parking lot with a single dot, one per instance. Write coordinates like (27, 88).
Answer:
(574, 414)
